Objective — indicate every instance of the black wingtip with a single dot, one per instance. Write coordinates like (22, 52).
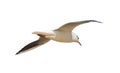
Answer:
(95, 21)
(17, 53)
(20, 51)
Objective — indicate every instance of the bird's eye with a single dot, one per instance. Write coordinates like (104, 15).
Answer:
(77, 37)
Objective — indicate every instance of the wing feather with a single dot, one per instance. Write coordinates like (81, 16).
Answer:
(70, 26)
(33, 44)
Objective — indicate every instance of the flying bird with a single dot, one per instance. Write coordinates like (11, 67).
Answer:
(62, 34)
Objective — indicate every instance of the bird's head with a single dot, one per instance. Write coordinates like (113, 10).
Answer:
(75, 38)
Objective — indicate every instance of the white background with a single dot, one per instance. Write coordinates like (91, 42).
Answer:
(100, 51)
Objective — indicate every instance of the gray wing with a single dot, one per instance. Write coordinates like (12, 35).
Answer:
(70, 26)
(33, 44)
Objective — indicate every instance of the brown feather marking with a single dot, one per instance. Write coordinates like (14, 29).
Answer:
(43, 36)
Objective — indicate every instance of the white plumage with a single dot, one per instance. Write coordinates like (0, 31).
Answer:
(62, 34)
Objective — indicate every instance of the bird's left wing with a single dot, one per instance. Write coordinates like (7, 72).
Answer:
(70, 26)
(33, 44)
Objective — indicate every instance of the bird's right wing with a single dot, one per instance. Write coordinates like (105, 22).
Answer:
(70, 26)
(34, 44)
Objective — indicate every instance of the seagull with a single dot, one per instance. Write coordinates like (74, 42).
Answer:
(62, 34)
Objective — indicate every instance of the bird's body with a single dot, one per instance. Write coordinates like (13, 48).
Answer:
(62, 34)
(66, 36)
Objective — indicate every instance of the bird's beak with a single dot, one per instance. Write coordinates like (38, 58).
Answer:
(79, 43)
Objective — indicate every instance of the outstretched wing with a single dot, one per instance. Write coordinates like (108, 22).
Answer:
(33, 44)
(70, 26)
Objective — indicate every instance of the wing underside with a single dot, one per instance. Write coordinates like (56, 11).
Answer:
(33, 44)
